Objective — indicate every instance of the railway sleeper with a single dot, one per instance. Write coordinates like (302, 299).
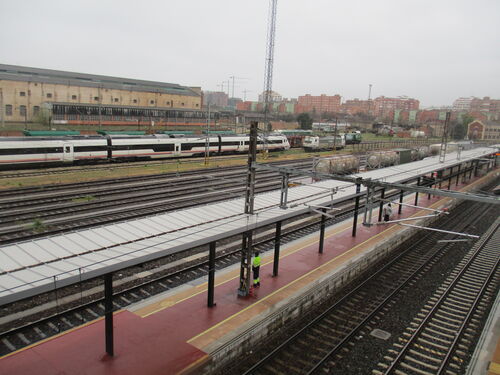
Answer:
(439, 333)
(426, 356)
(424, 341)
(439, 326)
(438, 339)
(414, 369)
(420, 362)
(440, 323)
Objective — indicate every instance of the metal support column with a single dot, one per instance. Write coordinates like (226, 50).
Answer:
(471, 169)
(246, 248)
(429, 195)
(356, 208)
(108, 312)
(475, 168)
(211, 274)
(284, 190)
(449, 178)
(381, 206)
(277, 243)
(322, 232)
(458, 175)
(401, 193)
(416, 194)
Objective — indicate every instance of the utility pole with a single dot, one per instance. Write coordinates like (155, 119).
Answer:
(100, 106)
(246, 248)
(369, 97)
(268, 73)
(444, 138)
(233, 78)
(207, 140)
(335, 136)
(2, 108)
(245, 94)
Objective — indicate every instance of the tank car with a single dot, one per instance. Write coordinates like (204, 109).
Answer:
(341, 164)
(380, 159)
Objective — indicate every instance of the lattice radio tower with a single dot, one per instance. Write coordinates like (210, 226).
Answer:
(268, 73)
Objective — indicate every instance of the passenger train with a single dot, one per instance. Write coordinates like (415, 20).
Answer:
(19, 152)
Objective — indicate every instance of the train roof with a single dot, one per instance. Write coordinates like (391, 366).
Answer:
(47, 138)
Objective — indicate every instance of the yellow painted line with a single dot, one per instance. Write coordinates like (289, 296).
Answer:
(233, 275)
(307, 274)
(494, 368)
(56, 336)
(289, 284)
(193, 365)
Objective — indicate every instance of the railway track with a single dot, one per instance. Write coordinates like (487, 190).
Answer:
(18, 333)
(108, 166)
(326, 341)
(27, 215)
(439, 339)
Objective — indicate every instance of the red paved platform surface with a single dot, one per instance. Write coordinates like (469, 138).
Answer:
(157, 344)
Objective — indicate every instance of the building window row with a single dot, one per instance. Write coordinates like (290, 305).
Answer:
(22, 110)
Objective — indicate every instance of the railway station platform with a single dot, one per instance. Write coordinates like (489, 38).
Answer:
(175, 333)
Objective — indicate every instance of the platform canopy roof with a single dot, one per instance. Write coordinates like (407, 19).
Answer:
(32, 267)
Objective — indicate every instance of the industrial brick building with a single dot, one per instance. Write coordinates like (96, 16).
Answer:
(87, 98)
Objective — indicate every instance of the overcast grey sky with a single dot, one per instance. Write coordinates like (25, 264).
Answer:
(433, 50)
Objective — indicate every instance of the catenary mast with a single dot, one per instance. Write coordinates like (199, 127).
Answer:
(268, 71)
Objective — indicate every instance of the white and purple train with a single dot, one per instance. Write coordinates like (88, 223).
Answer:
(19, 152)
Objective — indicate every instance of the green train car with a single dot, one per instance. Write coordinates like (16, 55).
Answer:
(352, 138)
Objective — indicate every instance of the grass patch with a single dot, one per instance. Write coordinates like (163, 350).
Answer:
(38, 225)
(86, 198)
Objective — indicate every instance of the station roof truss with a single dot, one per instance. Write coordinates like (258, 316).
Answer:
(41, 265)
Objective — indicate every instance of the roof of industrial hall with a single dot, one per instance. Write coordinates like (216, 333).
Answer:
(31, 267)
(27, 74)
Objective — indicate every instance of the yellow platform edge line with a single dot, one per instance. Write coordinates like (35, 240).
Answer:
(494, 368)
(333, 232)
(439, 202)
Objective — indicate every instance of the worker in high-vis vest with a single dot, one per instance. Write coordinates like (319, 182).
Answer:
(256, 269)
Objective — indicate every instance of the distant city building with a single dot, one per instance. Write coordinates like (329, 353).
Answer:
(233, 102)
(274, 97)
(215, 98)
(384, 106)
(319, 104)
(462, 104)
(356, 106)
(489, 106)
